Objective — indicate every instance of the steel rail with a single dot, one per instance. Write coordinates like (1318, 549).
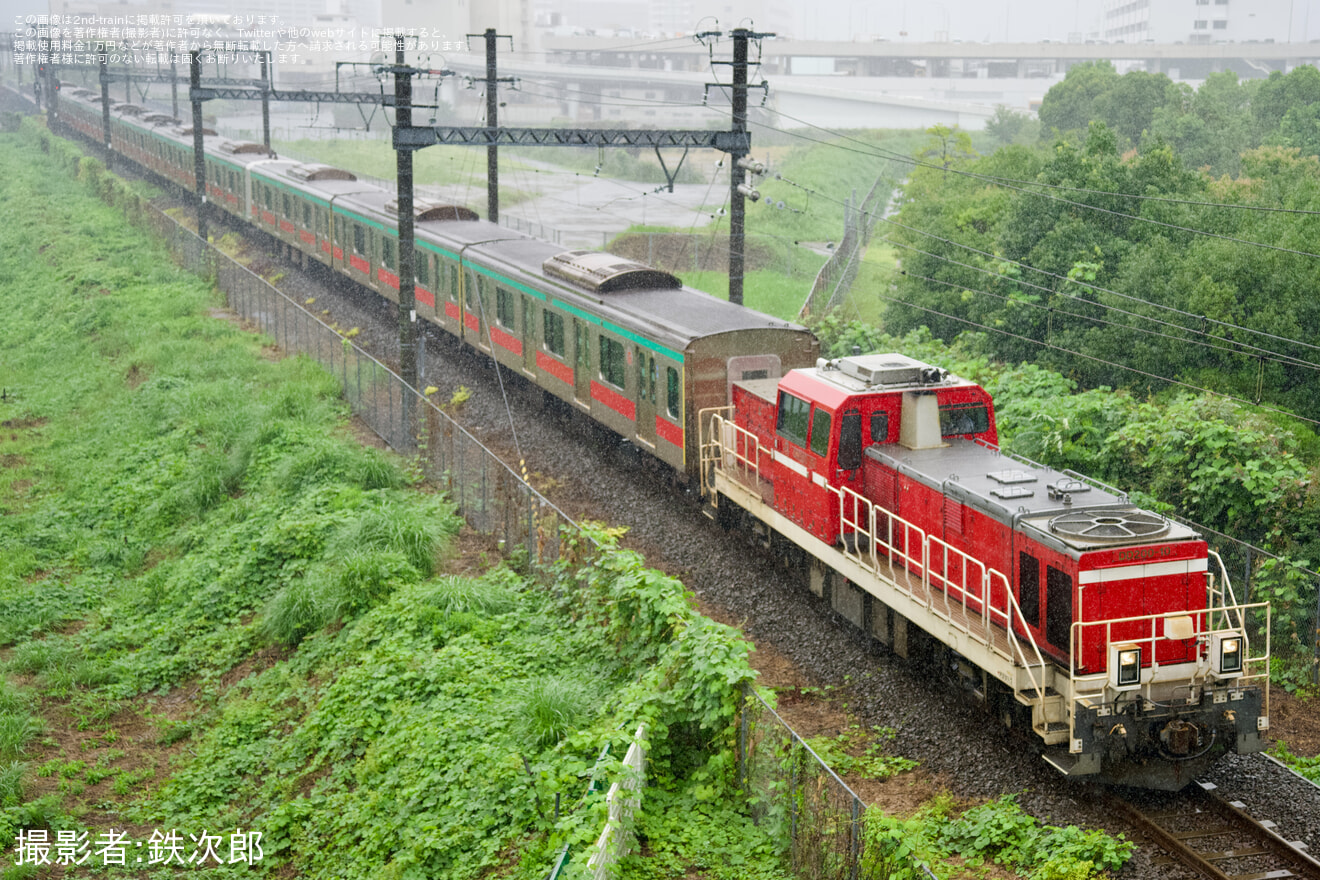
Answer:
(1292, 860)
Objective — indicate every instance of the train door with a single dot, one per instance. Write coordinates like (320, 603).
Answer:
(646, 381)
(529, 335)
(472, 309)
(582, 362)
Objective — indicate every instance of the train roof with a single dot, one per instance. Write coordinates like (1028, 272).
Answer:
(1061, 508)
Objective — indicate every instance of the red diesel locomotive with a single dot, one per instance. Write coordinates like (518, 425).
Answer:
(1108, 631)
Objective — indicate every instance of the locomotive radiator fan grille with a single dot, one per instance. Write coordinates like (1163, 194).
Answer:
(1109, 525)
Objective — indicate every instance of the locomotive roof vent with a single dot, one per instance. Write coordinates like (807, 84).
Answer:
(888, 369)
(429, 209)
(187, 132)
(605, 273)
(130, 109)
(161, 119)
(314, 171)
(1109, 526)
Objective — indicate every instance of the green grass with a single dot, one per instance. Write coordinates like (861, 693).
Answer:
(192, 534)
(765, 291)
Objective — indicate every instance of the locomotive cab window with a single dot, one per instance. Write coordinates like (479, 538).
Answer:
(963, 418)
(791, 423)
(880, 427)
(820, 432)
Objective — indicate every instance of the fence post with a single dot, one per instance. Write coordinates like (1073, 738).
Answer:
(1315, 666)
(743, 723)
(855, 840)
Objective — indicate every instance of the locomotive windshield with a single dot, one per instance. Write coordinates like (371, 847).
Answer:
(963, 418)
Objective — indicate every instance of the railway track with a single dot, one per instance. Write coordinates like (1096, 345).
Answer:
(1214, 837)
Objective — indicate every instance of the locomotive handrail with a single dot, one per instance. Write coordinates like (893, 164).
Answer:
(1201, 633)
(990, 616)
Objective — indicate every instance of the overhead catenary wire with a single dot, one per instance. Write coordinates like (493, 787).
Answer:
(1088, 357)
(962, 172)
(1087, 285)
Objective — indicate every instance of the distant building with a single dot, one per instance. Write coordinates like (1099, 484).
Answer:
(1196, 21)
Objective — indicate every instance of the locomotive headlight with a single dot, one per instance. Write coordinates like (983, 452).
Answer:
(1226, 651)
(1124, 666)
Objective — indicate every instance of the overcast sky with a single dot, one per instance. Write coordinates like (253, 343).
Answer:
(980, 20)
(968, 20)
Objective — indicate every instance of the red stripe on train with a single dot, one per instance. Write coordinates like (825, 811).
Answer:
(506, 340)
(668, 431)
(562, 372)
(614, 400)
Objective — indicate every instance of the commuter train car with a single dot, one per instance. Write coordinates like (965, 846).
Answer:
(624, 343)
(1108, 631)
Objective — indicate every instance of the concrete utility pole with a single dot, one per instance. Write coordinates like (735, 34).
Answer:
(492, 122)
(105, 111)
(407, 252)
(199, 158)
(739, 191)
(265, 99)
(737, 205)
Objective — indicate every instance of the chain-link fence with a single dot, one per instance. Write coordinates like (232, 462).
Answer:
(835, 278)
(490, 495)
(816, 817)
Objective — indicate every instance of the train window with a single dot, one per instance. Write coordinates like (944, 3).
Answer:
(504, 308)
(387, 252)
(554, 332)
(1029, 588)
(288, 206)
(646, 376)
(307, 215)
(850, 440)
(359, 240)
(880, 427)
(791, 424)
(612, 367)
(820, 432)
(422, 268)
(470, 293)
(963, 418)
(1058, 607)
(581, 336)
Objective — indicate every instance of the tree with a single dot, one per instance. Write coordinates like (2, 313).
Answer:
(1011, 127)
(1070, 105)
(1131, 103)
(1300, 128)
(1279, 94)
